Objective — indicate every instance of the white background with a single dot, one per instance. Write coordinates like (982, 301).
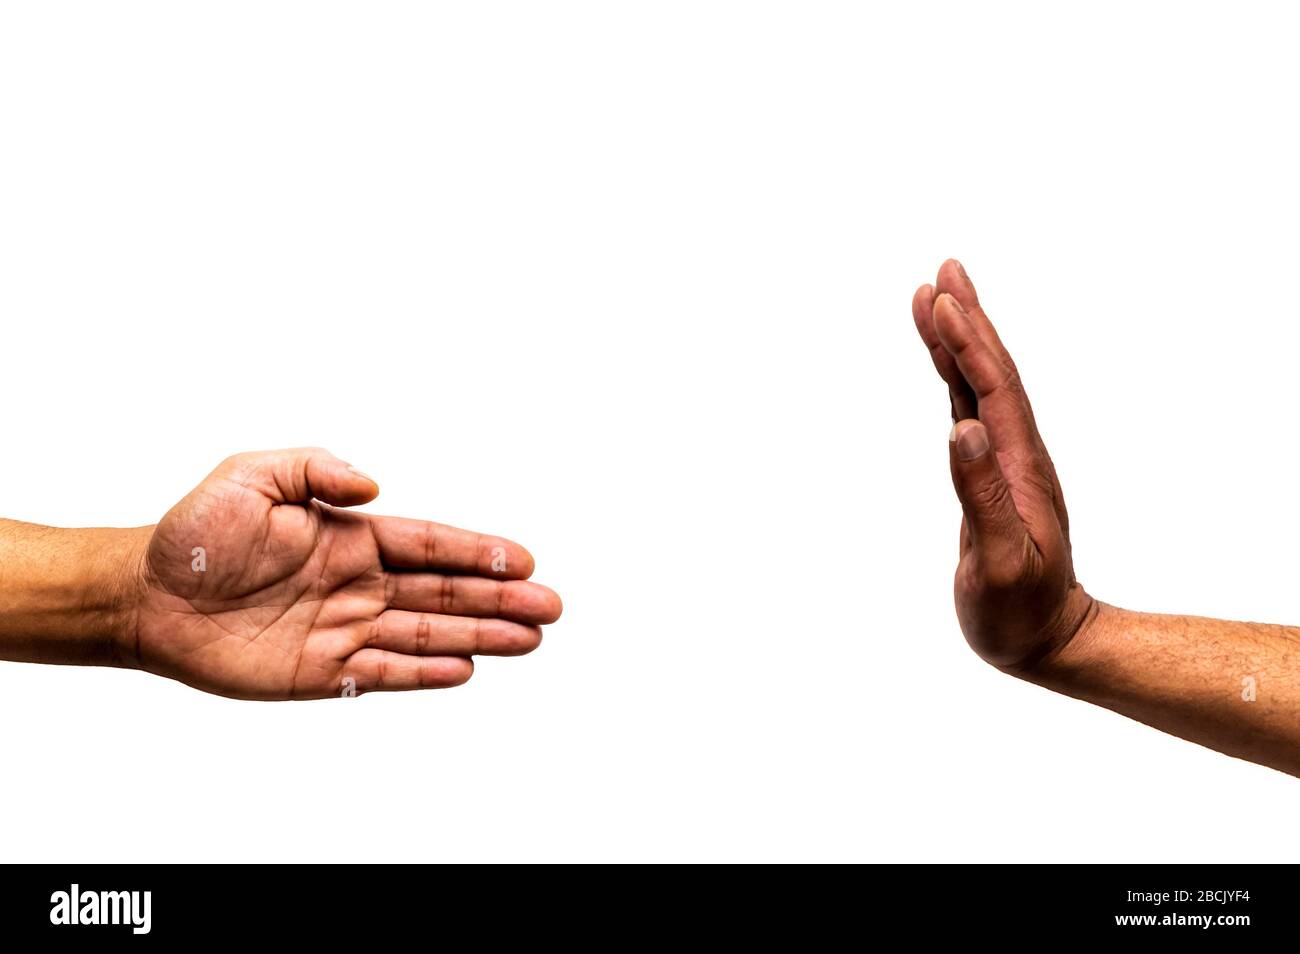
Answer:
(630, 283)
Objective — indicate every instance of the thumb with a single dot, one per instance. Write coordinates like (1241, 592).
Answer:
(299, 474)
(997, 532)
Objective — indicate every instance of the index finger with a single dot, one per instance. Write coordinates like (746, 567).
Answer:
(954, 281)
(407, 544)
(1002, 407)
(959, 391)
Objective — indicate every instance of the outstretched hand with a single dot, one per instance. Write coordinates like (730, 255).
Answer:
(256, 586)
(1017, 597)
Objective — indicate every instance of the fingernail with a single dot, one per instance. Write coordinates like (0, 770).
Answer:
(363, 474)
(972, 442)
(961, 269)
(955, 303)
(952, 434)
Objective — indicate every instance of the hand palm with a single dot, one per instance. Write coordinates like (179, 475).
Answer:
(255, 590)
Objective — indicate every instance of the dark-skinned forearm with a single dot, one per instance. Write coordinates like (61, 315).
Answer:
(1234, 687)
(65, 594)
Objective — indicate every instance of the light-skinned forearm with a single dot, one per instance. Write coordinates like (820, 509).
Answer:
(1234, 687)
(65, 594)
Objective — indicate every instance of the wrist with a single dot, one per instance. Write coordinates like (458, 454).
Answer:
(123, 579)
(1070, 629)
(1085, 650)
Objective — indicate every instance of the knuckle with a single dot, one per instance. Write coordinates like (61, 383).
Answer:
(430, 541)
(1002, 576)
(237, 462)
(1011, 571)
(991, 495)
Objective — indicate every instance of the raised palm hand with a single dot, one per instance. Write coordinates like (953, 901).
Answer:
(1017, 597)
(256, 586)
